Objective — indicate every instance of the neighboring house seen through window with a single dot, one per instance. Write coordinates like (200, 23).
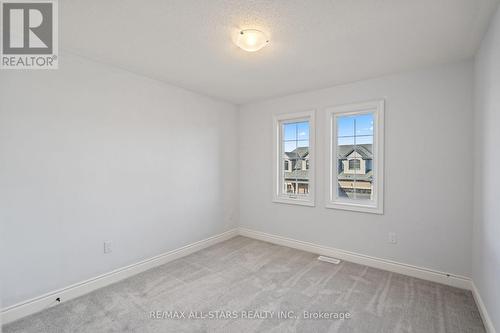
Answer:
(295, 145)
(293, 149)
(356, 158)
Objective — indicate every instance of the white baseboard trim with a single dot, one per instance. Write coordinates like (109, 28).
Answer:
(388, 265)
(42, 302)
(488, 324)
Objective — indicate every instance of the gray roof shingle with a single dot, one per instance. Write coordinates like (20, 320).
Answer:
(368, 177)
(364, 150)
(297, 174)
(297, 153)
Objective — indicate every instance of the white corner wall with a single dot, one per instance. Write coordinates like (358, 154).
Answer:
(486, 241)
(92, 153)
(428, 168)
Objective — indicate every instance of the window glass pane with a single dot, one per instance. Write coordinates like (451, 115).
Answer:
(295, 145)
(289, 146)
(288, 182)
(342, 141)
(345, 126)
(290, 132)
(354, 157)
(364, 124)
(364, 139)
(303, 131)
(303, 144)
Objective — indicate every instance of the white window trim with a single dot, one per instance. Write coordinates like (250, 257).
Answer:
(278, 197)
(377, 108)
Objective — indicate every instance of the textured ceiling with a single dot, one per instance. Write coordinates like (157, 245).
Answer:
(314, 44)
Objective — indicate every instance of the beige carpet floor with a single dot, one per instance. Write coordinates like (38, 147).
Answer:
(243, 285)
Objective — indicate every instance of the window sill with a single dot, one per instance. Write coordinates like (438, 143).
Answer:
(355, 207)
(299, 202)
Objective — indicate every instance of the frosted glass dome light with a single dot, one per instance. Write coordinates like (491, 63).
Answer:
(251, 40)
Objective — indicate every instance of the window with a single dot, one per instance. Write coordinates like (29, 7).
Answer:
(294, 159)
(355, 151)
(354, 164)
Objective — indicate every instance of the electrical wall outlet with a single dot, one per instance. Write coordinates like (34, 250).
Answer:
(393, 238)
(108, 246)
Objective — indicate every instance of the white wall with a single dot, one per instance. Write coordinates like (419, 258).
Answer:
(92, 153)
(428, 122)
(486, 242)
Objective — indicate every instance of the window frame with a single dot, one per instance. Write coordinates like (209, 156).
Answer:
(377, 107)
(278, 196)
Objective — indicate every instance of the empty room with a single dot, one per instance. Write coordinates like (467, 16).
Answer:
(250, 166)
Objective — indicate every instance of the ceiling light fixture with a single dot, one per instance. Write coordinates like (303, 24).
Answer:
(251, 40)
